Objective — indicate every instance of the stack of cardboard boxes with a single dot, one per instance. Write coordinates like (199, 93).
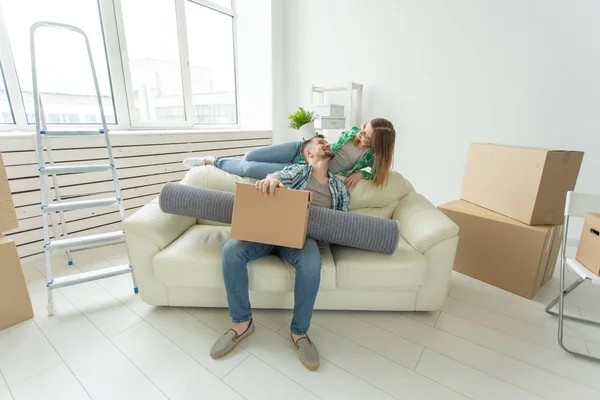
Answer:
(15, 305)
(511, 214)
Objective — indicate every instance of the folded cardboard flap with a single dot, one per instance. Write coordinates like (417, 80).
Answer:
(281, 219)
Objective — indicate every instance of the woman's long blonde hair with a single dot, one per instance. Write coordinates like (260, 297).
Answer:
(382, 143)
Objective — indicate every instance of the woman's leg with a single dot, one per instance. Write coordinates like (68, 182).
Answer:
(249, 169)
(287, 152)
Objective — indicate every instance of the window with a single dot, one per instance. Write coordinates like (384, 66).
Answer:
(154, 65)
(6, 116)
(173, 71)
(64, 75)
(210, 42)
(159, 63)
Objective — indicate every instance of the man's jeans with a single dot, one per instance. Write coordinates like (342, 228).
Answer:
(307, 261)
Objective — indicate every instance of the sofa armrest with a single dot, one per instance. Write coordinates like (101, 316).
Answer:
(421, 223)
(161, 229)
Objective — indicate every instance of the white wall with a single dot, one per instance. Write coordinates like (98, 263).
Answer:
(448, 73)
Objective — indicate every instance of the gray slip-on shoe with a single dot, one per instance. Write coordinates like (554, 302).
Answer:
(228, 341)
(307, 353)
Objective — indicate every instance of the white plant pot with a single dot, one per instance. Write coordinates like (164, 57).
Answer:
(307, 131)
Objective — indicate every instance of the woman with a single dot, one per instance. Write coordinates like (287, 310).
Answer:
(371, 146)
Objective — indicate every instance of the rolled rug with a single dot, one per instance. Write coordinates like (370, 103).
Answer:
(200, 203)
(343, 228)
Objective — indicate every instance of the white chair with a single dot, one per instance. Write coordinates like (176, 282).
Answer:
(577, 205)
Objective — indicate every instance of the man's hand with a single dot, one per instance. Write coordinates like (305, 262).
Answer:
(267, 186)
(353, 179)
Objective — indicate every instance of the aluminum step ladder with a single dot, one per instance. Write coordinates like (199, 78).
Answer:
(51, 170)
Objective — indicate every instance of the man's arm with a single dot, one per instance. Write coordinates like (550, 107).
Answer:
(282, 179)
(286, 176)
(342, 195)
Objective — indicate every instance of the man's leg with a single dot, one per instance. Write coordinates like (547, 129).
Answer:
(307, 262)
(236, 255)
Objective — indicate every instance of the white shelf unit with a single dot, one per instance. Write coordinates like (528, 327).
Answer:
(353, 100)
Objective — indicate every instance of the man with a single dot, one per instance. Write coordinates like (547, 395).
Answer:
(328, 191)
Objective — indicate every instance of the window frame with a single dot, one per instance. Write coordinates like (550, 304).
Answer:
(111, 22)
(13, 90)
(181, 23)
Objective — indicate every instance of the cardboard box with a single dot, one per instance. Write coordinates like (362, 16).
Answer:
(501, 251)
(8, 215)
(281, 219)
(588, 252)
(15, 305)
(527, 184)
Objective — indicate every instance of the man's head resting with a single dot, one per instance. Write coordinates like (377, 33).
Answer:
(316, 148)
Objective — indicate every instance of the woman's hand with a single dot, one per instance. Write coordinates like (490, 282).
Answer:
(353, 179)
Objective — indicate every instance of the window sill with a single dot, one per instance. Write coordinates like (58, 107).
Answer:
(147, 131)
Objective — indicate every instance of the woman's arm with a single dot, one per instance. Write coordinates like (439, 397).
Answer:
(345, 137)
(366, 161)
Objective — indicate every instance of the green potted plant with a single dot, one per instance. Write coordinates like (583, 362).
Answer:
(303, 121)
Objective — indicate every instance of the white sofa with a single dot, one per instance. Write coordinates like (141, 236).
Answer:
(177, 260)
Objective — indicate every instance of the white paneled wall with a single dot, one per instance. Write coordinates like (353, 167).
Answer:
(145, 162)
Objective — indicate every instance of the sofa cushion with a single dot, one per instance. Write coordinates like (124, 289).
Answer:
(194, 260)
(367, 270)
(368, 195)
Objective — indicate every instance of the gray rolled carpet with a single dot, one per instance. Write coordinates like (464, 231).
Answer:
(208, 204)
(346, 229)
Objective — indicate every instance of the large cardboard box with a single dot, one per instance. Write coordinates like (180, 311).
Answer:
(281, 219)
(15, 305)
(527, 184)
(8, 215)
(588, 252)
(501, 251)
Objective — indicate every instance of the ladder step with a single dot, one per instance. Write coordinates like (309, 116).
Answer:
(78, 205)
(84, 240)
(73, 133)
(89, 276)
(72, 169)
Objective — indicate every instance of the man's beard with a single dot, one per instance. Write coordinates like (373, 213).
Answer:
(328, 155)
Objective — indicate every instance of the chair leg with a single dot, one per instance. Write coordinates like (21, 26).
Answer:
(571, 317)
(561, 315)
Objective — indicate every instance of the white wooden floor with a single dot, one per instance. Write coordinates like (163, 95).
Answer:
(104, 343)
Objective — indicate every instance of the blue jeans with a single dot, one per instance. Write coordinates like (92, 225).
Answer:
(260, 162)
(307, 261)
